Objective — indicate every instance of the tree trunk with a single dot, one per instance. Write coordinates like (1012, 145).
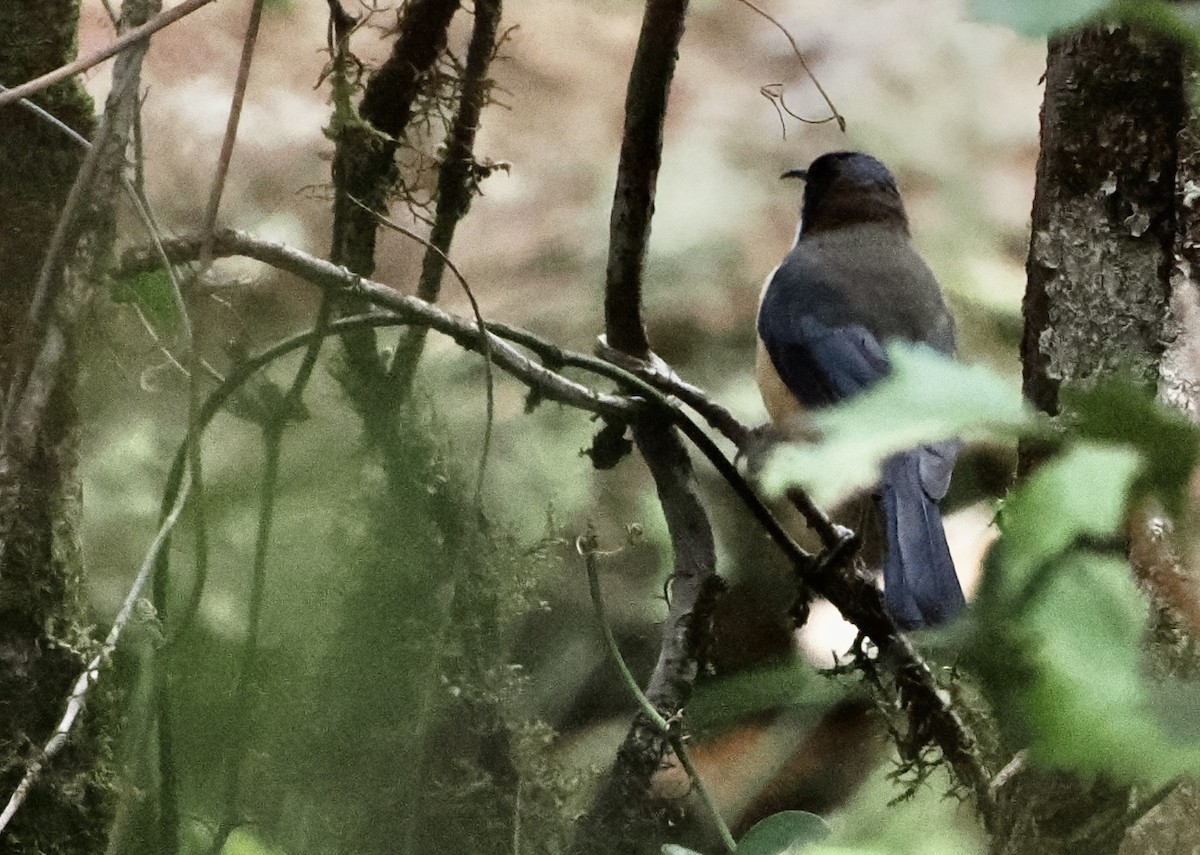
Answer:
(1106, 274)
(43, 636)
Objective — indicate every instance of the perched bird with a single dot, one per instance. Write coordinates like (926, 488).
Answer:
(852, 283)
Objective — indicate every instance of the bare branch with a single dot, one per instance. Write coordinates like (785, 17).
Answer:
(134, 36)
(249, 41)
(641, 156)
(329, 276)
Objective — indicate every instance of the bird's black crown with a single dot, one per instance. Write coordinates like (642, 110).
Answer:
(847, 188)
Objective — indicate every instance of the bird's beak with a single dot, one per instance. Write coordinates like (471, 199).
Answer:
(795, 173)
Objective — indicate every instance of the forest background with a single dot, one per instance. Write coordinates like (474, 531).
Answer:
(948, 103)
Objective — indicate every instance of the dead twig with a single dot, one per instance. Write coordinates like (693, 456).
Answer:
(137, 34)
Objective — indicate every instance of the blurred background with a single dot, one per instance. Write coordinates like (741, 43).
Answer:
(950, 105)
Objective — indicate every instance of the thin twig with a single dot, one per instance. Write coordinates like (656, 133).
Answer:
(800, 56)
(137, 34)
(587, 547)
(90, 675)
(249, 42)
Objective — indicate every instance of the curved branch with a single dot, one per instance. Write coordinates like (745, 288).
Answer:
(587, 547)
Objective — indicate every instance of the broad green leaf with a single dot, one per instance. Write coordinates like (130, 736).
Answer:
(1118, 410)
(1176, 707)
(1084, 705)
(927, 397)
(1036, 18)
(1060, 625)
(1081, 494)
(789, 831)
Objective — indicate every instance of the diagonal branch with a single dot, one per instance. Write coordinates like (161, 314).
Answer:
(134, 36)
(343, 283)
(79, 693)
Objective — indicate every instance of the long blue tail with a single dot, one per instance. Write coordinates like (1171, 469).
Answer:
(920, 585)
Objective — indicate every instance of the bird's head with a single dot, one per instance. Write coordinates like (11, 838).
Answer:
(846, 188)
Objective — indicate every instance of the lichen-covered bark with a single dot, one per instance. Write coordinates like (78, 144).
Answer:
(458, 181)
(1103, 214)
(42, 642)
(1179, 373)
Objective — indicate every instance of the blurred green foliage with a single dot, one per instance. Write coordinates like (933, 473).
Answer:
(1055, 633)
(1177, 21)
(1036, 17)
(151, 293)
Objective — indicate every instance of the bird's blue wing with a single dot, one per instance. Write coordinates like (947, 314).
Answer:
(819, 363)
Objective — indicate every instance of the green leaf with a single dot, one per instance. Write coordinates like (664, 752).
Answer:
(153, 293)
(1175, 705)
(1118, 410)
(785, 832)
(1081, 494)
(1084, 703)
(927, 397)
(1036, 18)
(1060, 625)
